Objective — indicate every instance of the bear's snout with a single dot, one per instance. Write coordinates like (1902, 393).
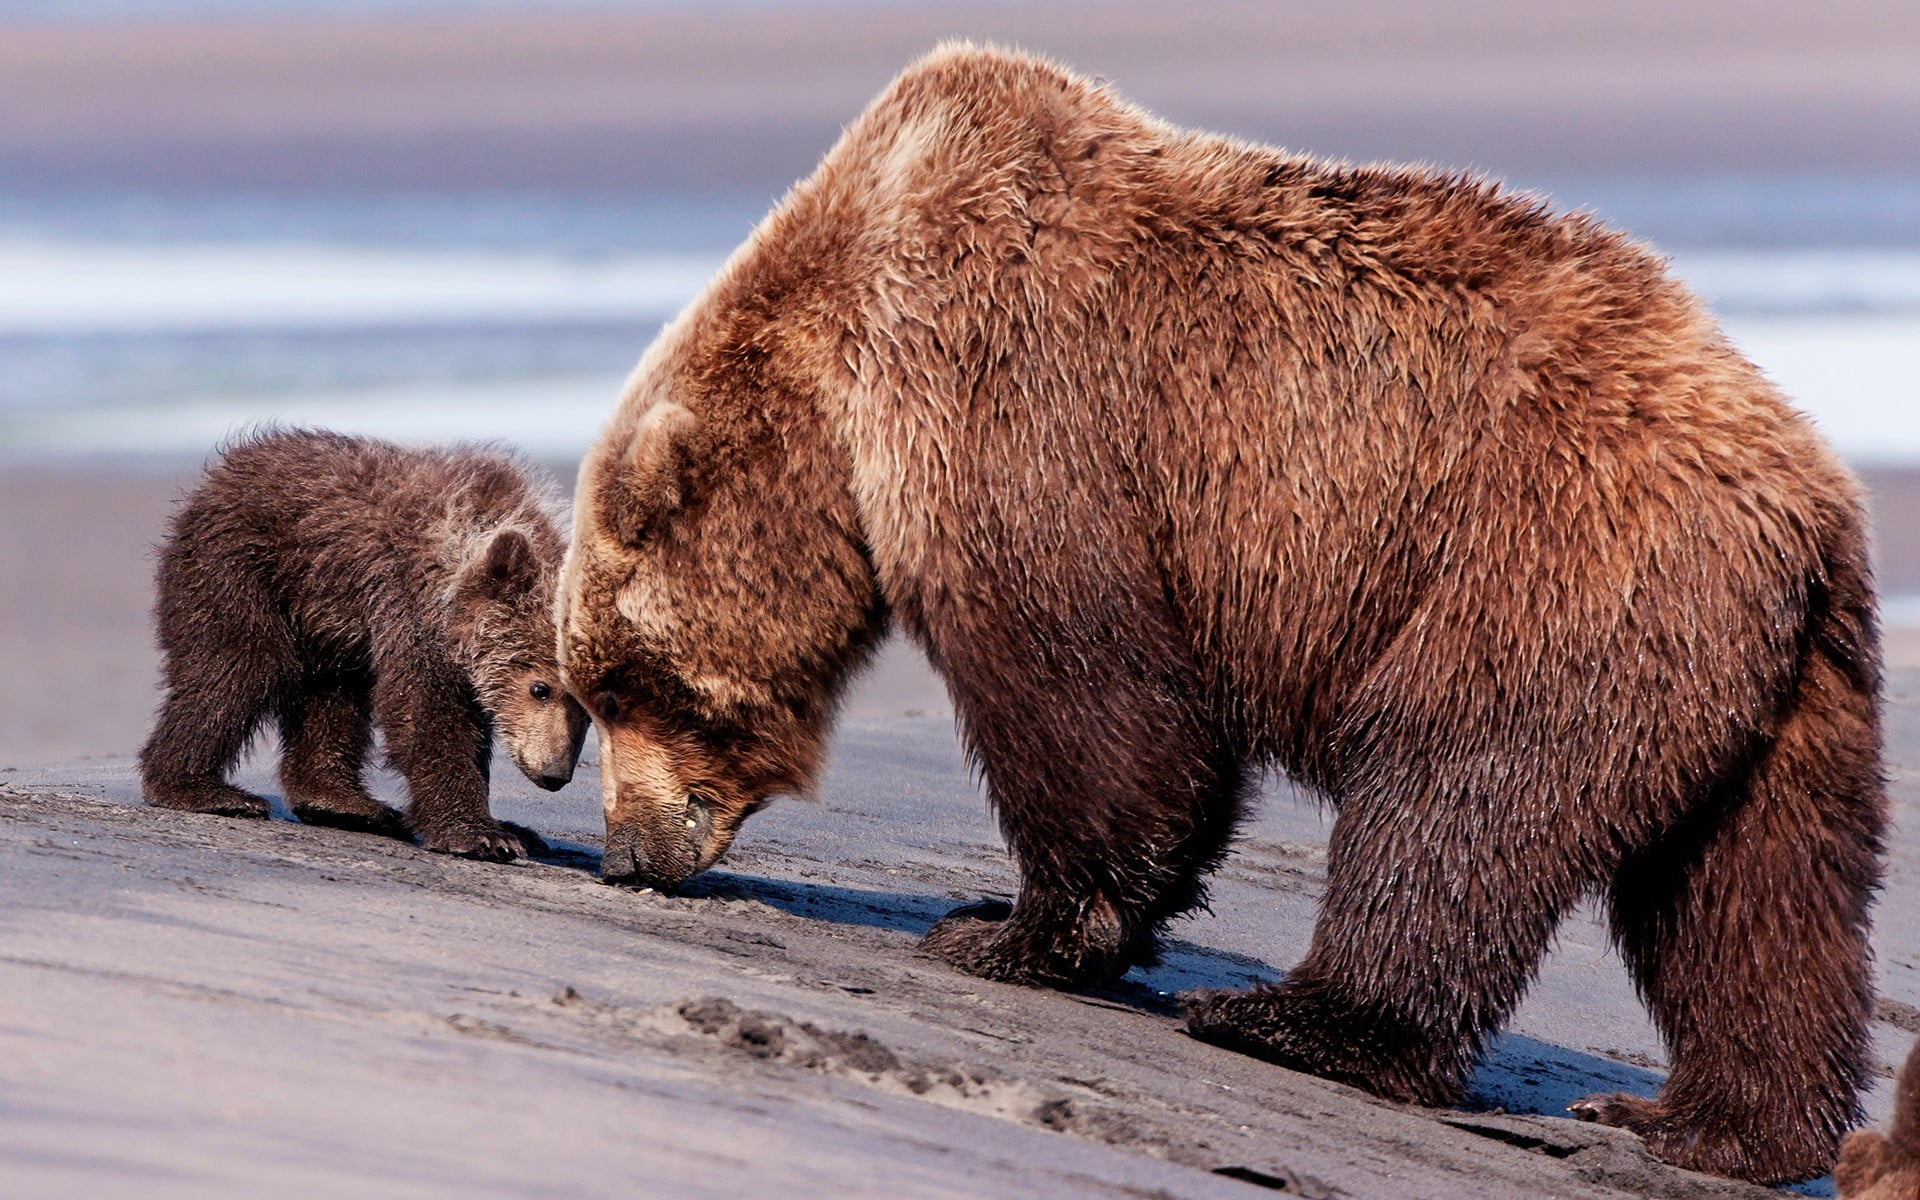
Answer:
(622, 861)
(551, 773)
(629, 860)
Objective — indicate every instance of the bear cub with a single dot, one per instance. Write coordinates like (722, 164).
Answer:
(1877, 1166)
(333, 583)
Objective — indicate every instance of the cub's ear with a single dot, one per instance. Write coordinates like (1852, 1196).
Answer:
(506, 570)
(653, 481)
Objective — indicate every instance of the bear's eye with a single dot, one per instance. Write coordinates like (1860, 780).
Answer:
(608, 706)
(540, 691)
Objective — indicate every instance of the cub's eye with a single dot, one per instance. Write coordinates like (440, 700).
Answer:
(540, 691)
(608, 706)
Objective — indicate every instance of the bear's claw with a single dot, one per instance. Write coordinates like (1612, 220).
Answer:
(1616, 1109)
(487, 844)
(531, 843)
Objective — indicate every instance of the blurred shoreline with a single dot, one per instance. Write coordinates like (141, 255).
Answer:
(706, 97)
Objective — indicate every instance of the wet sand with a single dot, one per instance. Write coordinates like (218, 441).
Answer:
(200, 1006)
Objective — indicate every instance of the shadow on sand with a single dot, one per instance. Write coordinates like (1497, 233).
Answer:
(1519, 1074)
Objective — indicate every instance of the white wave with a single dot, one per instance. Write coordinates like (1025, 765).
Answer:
(1853, 372)
(1854, 375)
(1900, 612)
(63, 287)
(66, 288)
(554, 418)
(1773, 281)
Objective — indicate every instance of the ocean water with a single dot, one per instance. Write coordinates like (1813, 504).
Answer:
(159, 325)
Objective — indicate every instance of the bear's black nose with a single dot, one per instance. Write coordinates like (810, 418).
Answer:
(553, 783)
(624, 862)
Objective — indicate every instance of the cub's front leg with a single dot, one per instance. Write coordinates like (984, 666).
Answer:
(437, 742)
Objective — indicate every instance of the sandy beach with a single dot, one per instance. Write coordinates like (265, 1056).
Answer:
(208, 1007)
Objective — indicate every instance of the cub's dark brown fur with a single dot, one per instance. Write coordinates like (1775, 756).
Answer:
(331, 583)
(1875, 1166)
(1183, 457)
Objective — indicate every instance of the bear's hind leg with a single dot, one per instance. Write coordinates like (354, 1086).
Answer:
(1746, 932)
(326, 728)
(1438, 910)
(224, 670)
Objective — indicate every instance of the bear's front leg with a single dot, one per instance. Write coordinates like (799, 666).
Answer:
(1036, 947)
(449, 809)
(1114, 788)
(1437, 912)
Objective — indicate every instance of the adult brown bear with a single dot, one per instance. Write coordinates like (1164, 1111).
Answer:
(1182, 457)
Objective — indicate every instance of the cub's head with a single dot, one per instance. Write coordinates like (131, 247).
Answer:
(715, 596)
(502, 626)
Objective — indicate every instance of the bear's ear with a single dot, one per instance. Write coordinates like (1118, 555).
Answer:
(653, 482)
(506, 571)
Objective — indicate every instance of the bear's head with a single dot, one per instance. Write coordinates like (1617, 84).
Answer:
(501, 623)
(716, 593)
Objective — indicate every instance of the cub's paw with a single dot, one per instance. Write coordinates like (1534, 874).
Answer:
(214, 800)
(487, 843)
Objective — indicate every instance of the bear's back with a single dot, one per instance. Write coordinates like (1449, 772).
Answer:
(346, 532)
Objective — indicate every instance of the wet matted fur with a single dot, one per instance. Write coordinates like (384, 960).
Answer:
(1182, 457)
(332, 583)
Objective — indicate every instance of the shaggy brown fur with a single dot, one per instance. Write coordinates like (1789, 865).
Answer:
(1877, 1167)
(333, 583)
(1182, 457)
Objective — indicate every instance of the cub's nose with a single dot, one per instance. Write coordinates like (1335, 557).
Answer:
(553, 783)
